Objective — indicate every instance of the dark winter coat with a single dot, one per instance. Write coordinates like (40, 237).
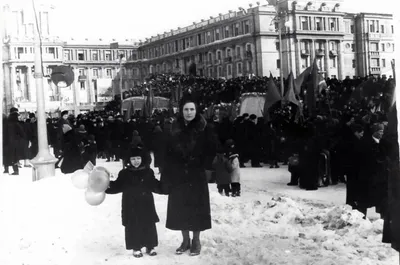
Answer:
(372, 174)
(184, 172)
(223, 168)
(137, 187)
(16, 139)
(72, 157)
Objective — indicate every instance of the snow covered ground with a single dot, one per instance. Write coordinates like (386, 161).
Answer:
(49, 223)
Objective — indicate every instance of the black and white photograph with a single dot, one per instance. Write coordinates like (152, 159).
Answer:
(229, 132)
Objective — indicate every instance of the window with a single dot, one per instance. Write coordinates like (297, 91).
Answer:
(108, 73)
(217, 37)
(210, 72)
(353, 47)
(393, 46)
(219, 71)
(392, 29)
(239, 68)
(238, 52)
(375, 62)
(278, 64)
(374, 47)
(200, 57)
(382, 28)
(229, 69)
(183, 44)
(176, 63)
(67, 55)
(218, 55)
(81, 71)
(81, 56)
(352, 29)
(383, 46)
(210, 57)
(51, 50)
(227, 32)
(208, 37)
(177, 45)
(304, 62)
(371, 27)
(96, 72)
(277, 46)
(332, 24)
(236, 29)
(318, 23)
(246, 27)
(332, 62)
(20, 51)
(383, 63)
(228, 53)
(108, 55)
(82, 85)
(304, 23)
(95, 55)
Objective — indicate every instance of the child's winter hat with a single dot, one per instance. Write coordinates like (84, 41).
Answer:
(137, 151)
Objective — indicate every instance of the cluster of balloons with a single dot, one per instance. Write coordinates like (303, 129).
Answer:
(95, 182)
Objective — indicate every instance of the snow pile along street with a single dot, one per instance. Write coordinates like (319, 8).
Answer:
(48, 222)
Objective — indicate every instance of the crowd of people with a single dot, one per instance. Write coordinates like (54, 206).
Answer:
(350, 140)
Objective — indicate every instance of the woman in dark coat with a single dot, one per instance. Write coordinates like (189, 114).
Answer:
(187, 148)
(138, 212)
(16, 137)
(72, 156)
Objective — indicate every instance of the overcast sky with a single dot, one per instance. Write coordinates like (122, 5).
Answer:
(138, 19)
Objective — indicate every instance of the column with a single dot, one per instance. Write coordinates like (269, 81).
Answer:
(13, 82)
(340, 61)
(298, 59)
(89, 85)
(31, 84)
(312, 50)
(326, 65)
(75, 93)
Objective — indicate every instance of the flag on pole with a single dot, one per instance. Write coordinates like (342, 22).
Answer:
(298, 82)
(290, 96)
(148, 105)
(272, 96)
(312, 86)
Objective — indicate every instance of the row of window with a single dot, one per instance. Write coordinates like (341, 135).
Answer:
(20, 52)
(319, 23)
(229, 71)
(108, 72)
(216, 34)
(372, 27)
(98, 55)
(374, 47)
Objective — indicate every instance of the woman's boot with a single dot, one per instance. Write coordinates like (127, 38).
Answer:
(185, 243)
(196, 246)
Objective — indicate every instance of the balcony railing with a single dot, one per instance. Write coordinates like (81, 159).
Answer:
(375, 70)
(320, 52)
(305, 52)
(374, 54)
(228, 59)
(82, 78)
(333, 52)
(217, 61)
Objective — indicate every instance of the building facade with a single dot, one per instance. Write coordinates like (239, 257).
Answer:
(94, 62)
(246, 42)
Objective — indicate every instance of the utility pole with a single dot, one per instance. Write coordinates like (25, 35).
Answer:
(44, 162)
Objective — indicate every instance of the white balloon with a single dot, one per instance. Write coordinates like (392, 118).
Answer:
(99, 179)
(94, 198)
(80, 179)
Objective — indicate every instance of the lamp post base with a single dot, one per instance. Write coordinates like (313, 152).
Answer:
(43, 166)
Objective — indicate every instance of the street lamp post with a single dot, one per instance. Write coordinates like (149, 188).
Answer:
(121, 56)
(44, 162)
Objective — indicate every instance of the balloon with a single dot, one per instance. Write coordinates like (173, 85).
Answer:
(80, 179)
(94, 198)
(99, 179)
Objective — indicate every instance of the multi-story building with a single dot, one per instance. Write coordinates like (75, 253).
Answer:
(247, 42)
(95, 63)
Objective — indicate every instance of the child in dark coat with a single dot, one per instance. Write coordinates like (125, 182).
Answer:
(139, 216)
(90, 150)
(223, 168)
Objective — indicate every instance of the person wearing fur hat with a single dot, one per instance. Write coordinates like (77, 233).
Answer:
(139, 217)
(187, 150)
(372, 175)
(15, 136)
(71, 153)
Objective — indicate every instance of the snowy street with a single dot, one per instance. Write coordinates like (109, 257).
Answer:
(49, 223)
